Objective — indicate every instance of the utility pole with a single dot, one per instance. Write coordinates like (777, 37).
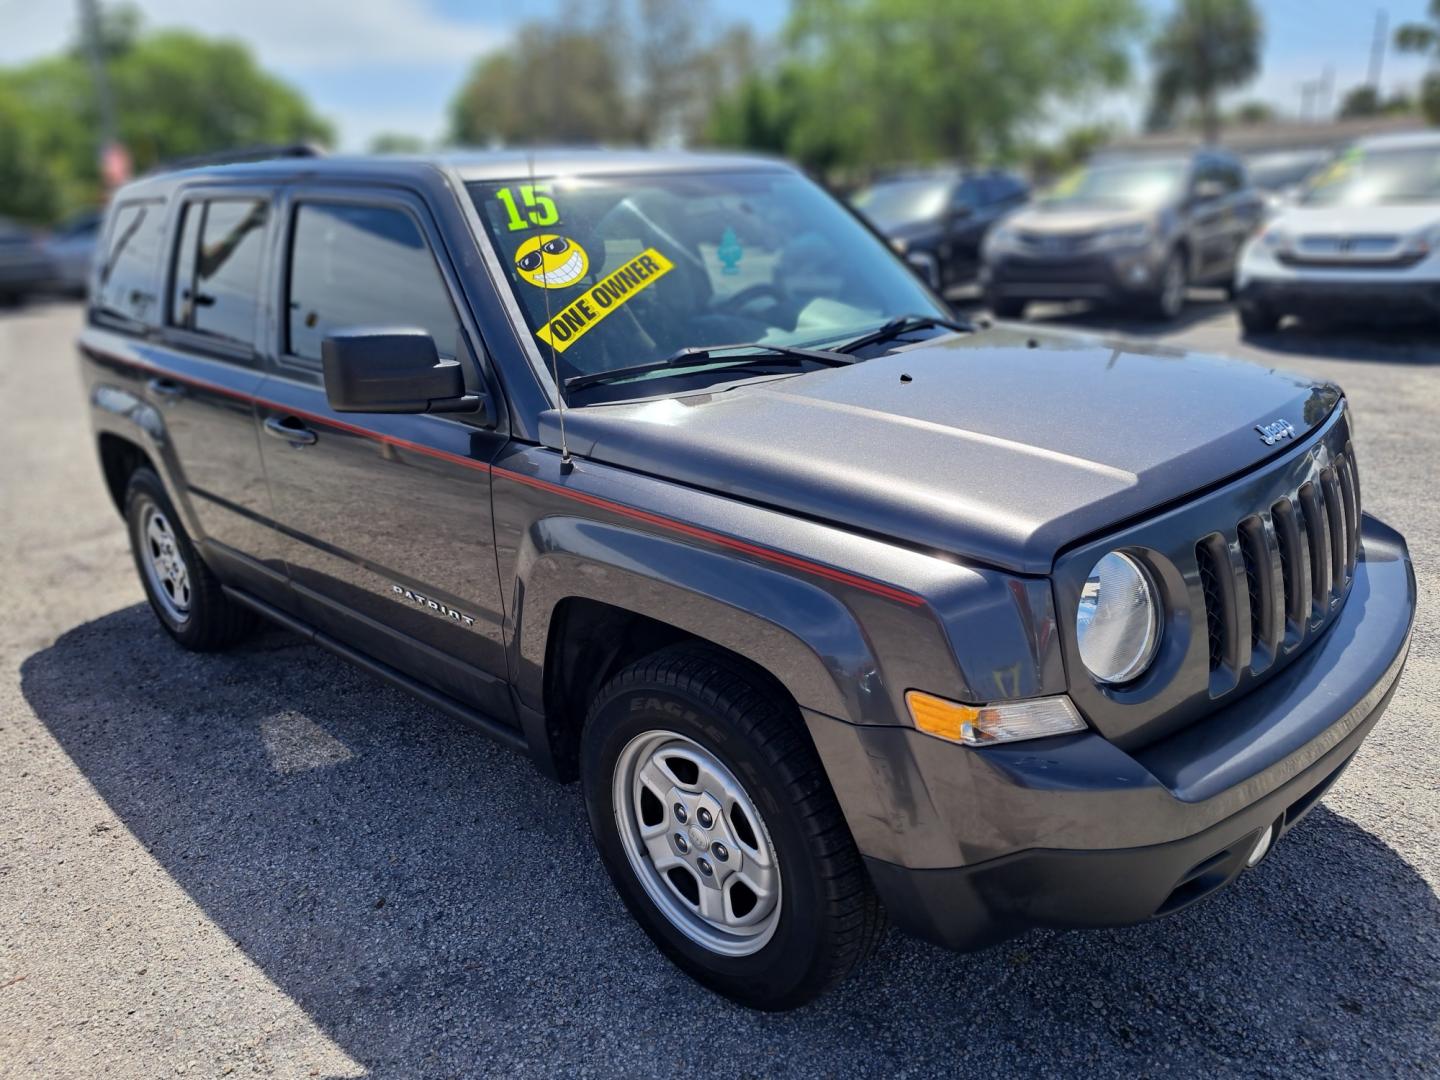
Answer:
(1377, 49)
(113, 159)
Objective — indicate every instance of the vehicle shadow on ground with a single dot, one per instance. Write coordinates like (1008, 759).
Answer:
(1095, 318)
(433, 904)
(1353, 340)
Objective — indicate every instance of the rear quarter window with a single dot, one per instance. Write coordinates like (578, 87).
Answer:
(126, 283)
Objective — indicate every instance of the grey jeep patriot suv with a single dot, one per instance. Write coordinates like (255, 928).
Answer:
(665, 470)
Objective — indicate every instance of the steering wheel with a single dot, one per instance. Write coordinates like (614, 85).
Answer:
(733, 304)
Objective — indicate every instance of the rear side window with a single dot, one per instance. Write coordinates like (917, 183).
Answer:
(126, 285)
(353, 265)
(218, 267)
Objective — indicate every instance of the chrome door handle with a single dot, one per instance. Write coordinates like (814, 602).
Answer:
(291, 430)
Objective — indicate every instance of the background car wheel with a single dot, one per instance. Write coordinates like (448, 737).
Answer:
(185, 596)
(1257, 318)
(715, 820)
(1174, 283)
(1006, 307)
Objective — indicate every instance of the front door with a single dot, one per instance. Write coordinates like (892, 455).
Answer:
(391, 542)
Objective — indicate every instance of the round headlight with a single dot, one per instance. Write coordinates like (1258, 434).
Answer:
(1118, 623)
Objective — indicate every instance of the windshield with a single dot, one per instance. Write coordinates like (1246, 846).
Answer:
(1138, 185)
(615, 272)
(902, 202)
(1375, 177)
(1276, 172)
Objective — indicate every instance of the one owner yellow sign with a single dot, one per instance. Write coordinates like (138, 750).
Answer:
(606, 296)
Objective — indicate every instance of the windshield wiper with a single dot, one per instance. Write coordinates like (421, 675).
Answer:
(695, 355)
(902, 325)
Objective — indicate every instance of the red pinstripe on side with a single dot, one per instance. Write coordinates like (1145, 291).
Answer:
(877, 588)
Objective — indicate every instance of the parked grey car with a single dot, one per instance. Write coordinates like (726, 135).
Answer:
(24, 268)
(665, 470)
(71, 249)
(1135, 230)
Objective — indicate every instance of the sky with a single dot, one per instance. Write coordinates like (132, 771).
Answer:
(374, 66)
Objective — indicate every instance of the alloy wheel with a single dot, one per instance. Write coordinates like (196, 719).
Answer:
(697, 843)
(165, 566)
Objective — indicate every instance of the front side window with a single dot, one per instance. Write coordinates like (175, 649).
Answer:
(614, 272)
(125, 285)
(218, 268)
(353, 265)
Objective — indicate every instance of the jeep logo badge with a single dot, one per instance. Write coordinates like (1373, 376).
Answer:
(1274, 431)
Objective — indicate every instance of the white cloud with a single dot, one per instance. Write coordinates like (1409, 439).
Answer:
(294, 35)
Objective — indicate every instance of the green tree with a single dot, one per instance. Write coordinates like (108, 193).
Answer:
(176, 94)
(1360, 101)
(558, 82)
(1204, 48)
(396, 142)
(863, 82)
(1253, 112)
(1424, 38)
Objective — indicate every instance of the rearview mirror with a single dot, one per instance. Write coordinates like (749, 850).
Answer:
(391, 370)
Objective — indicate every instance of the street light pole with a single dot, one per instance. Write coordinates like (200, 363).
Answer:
(114, 162)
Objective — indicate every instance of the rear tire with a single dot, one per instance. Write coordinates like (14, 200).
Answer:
(185, 596)
(662, 734)
(1257, 318)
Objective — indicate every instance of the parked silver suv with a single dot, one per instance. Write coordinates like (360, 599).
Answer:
(1127, 229)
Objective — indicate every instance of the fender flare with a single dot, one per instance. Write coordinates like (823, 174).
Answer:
(800, 633)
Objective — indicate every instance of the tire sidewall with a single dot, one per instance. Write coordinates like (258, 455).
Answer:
(789, 959)
(1174, 260)
(145, 490)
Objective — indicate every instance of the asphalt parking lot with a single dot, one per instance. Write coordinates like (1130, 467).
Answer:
(267, 863)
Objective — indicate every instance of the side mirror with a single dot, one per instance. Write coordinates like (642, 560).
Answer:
(391, 371)
(1206, 190)
(956, 214)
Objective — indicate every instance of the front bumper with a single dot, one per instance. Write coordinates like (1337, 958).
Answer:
(967, 847)
(1289, 288)
(1331, 296)
(1109, 277)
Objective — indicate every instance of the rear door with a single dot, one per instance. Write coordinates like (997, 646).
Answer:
(390, 538)
(199, 367)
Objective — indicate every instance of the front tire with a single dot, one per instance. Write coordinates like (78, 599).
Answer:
(1169, 299)
(1257, 317)
(185, 596)
(715, 820)
(1005, 307)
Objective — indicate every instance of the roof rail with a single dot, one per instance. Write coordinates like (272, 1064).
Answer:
(237, 156)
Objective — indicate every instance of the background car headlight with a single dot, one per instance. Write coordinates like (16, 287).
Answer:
(1423, 242)
(1136, 235)
(1001, 238)
(1275, 238)
(1118, 621)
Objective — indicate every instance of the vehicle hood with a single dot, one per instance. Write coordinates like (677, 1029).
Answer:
(1002, 446)
(1076, 219)
(1329, 220)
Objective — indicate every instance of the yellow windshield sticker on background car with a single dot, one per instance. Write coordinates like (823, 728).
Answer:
(574, 322)
(551, 261)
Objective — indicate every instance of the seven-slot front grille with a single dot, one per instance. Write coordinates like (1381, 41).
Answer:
(1277, 577)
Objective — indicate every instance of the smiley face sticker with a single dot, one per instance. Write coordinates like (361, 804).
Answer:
(551, 261)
